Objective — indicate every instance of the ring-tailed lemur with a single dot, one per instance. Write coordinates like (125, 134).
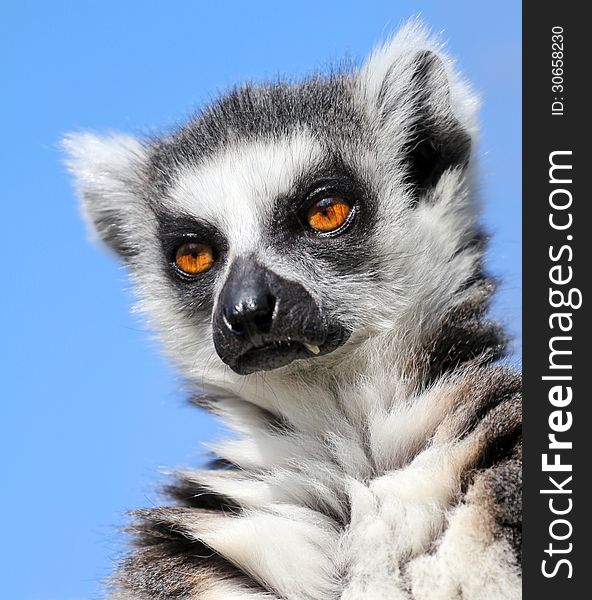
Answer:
(311, 257)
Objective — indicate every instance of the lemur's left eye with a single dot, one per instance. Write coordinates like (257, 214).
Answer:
(194, 258)
(328, 214)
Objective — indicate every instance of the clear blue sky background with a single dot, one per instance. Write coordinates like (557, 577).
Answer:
(90, 411)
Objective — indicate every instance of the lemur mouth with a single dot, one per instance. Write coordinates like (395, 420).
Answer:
(273, 356)
(281, 353)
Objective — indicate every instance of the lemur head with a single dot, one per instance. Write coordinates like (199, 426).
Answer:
(294, 228)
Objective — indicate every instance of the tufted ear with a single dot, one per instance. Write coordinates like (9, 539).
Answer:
(419, 106)
(108, 173)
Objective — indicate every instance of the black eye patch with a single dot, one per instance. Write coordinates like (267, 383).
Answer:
(351, 249)
(176, 230)
(332, 178)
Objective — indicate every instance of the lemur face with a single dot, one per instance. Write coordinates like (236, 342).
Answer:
(262, 242)
(270, 243)
(285, 222)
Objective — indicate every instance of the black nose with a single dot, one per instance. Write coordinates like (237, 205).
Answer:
(262, 321)
(251, 312)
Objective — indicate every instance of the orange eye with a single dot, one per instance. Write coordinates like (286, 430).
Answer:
(194, 258)
(328, 214)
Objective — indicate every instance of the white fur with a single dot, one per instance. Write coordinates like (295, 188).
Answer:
(106, 170)
(233, 190)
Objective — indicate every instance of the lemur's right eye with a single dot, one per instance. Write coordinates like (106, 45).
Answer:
(329, 214)
(193, 258)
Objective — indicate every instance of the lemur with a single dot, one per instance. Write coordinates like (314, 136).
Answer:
(311, 256)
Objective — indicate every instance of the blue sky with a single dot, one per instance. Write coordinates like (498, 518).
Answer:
(91, 413)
